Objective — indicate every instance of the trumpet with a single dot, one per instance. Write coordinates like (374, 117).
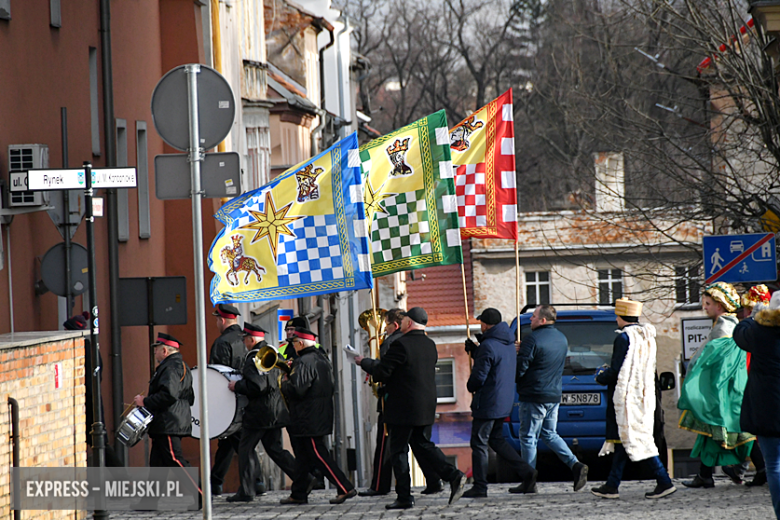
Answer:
(267, 359)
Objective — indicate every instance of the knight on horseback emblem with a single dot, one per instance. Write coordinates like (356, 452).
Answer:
(238, 262)
(307, 183)
(459, 139)
(397, 154)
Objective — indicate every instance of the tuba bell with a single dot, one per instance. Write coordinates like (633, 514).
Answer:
(267, 359)
(373, 322)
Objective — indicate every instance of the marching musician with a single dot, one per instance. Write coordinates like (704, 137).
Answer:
(229, 350)
(286, 349)
(169, 400)
(309, 393)
(264, 417)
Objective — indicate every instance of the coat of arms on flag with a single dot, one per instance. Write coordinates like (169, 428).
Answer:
(410, 198)
(304, 233)
(483, 153)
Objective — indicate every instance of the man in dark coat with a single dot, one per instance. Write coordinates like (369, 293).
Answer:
(760, 414)
(382, 474)
(264, 417)
(229, 350)
(540, 362)
(286, 349)
(492, 381)
(309, 394)
(169, 400)
(408, 371)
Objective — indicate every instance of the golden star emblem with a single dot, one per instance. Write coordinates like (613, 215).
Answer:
(372, 200)
(271, 223)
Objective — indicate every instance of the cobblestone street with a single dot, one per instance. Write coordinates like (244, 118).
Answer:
(554, 501)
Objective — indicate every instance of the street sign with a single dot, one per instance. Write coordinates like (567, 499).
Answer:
(216, 108)
(220, 176)
(282, 317)
(694, 333)
(53, 271)
(740, 258)
(73, 178)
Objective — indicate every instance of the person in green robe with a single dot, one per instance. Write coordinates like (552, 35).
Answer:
(711, 395)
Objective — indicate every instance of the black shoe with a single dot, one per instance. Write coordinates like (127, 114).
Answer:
(699, 482)
(318, 483)
(401, 504)
(372, 493)
(260, 488)
(432, 488)
(605, 491)
(580, 472)
(474, 493)
(661, 490)
(238, 497)
(216, 490)
(731, 472)
(758, 480)
(293, 501)
(456, 487)
(340, 499)
(528, 485)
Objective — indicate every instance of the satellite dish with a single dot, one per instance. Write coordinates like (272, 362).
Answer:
(53, 269)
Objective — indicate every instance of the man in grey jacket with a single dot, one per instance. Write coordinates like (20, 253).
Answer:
(540, 361)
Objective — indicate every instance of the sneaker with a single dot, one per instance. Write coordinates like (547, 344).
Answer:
(580, 472)
(456, 487)
(699, 482)
(474, 493)
(732, 473)
(605, 491)
(661, 490)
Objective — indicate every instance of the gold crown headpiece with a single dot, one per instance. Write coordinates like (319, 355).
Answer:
(399, 146)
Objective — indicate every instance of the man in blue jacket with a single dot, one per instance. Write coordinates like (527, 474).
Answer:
(540, 361)
(491, 383)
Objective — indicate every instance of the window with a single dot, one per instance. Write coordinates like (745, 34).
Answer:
(122, 197)
(537, 288)
(687, 286)
(142, 169)
(445, 381)
(610, 286)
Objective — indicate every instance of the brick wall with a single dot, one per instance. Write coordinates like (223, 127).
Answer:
(44, 372)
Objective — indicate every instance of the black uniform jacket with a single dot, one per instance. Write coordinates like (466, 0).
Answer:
(266, 408)
(170, 398)
(309, 393)
(369, 365)
(229, 349)
(408, 370)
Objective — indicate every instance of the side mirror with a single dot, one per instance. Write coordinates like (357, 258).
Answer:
(666, 381)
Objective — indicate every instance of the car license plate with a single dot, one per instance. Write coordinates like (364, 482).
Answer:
(581, 398)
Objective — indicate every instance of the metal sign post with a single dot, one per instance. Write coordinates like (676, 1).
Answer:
(195, 158)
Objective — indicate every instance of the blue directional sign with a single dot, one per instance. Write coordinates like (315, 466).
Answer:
(740, 258)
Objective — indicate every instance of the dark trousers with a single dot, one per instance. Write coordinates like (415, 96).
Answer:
(619, 465)
(311, 454)
(223, 458)
(248, 462)
(166, 453)
(426, 452)
(490, 432)
(382, 474)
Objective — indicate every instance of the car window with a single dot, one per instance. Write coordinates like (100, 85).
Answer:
(590, 344)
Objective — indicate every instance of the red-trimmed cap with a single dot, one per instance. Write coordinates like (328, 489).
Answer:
(167, 340)
(304, 334)
(254, 330)
(226, 311)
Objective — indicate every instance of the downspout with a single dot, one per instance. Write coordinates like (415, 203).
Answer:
(315, 149)
(14, 405)
(113, 222)
(216, 47)
(340, 66)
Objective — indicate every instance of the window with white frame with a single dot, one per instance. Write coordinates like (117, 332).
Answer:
(537, 287)
(687, 284)
(445, 381)
(610, 286)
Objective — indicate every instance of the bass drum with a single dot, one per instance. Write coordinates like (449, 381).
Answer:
(225, 407)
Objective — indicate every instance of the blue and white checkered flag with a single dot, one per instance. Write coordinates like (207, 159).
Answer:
(304, 233)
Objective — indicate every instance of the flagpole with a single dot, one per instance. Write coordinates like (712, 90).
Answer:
(466, 306)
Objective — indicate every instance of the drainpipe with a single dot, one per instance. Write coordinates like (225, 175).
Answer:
(14, 405)
(315, 149)
(113, 220)
(340, 66)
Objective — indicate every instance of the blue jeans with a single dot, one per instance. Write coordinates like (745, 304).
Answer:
(619, 464)
(541, 420)
(770, 447)
(490, 432)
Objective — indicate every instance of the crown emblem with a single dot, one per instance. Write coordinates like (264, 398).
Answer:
(399, 146)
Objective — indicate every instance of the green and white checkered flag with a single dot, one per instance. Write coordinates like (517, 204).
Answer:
(409, 194)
